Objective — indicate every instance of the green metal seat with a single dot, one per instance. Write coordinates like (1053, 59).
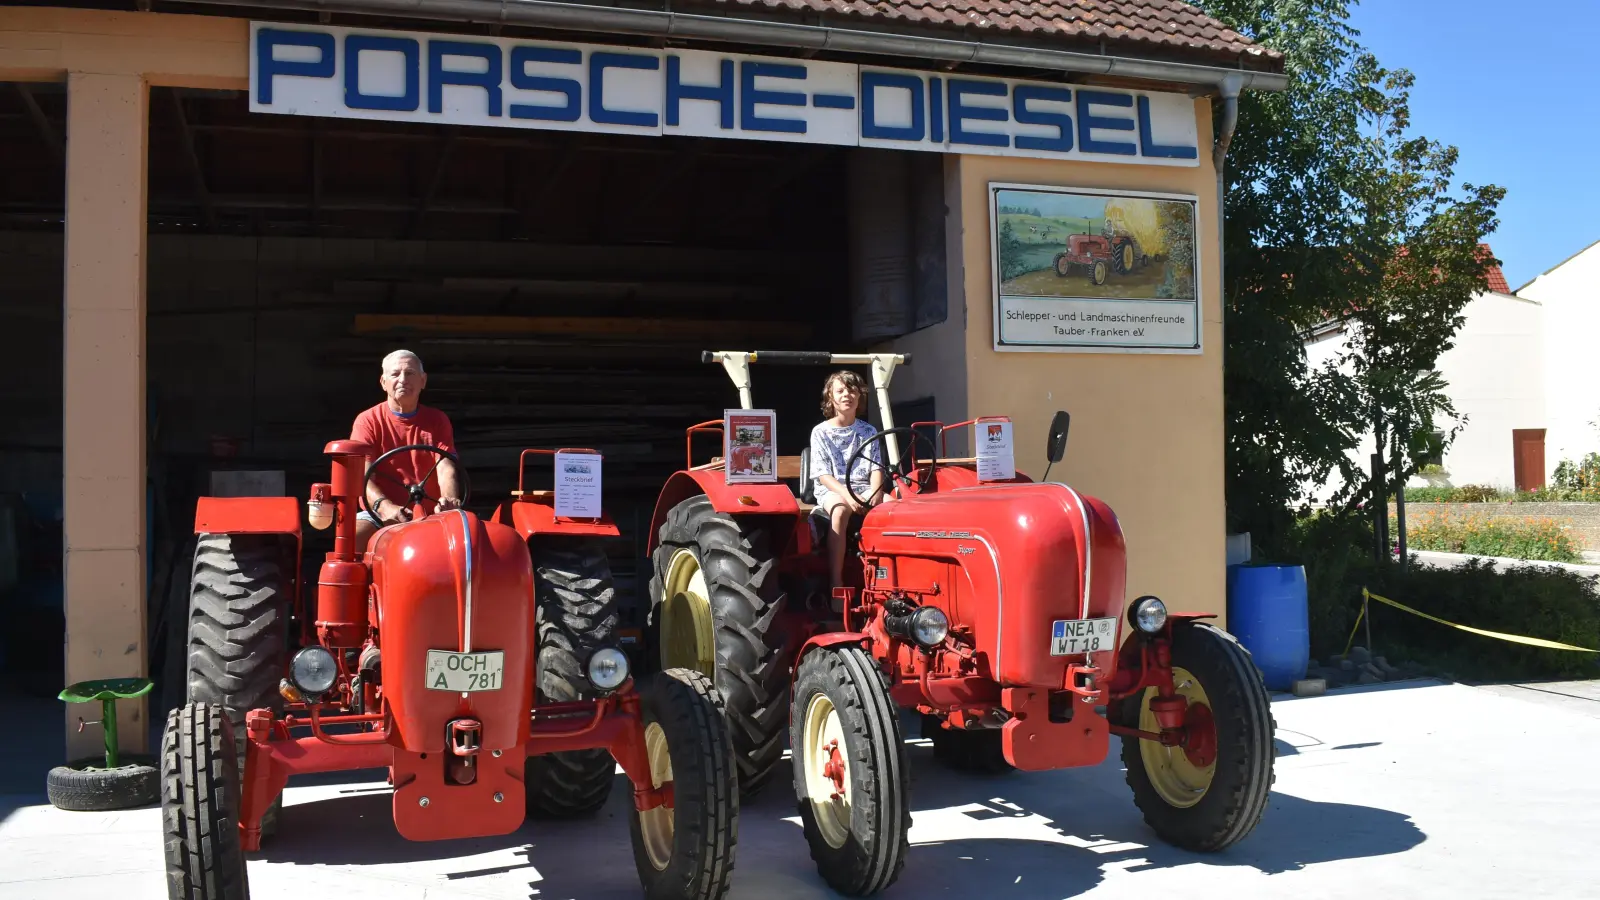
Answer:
(108, 691)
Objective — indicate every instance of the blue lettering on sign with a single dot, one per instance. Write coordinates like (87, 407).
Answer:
(568, 87)
(354, 44)
(1147, 144)
(833, 101)
(1020, 97)
(1087, 122)
(870, 82)
(598, 64)
(936, 109)
(721, 93)
(439, 76)
(750, 95)
(959, 112)
(268, 67)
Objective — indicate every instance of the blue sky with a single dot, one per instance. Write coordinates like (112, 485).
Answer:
(1514, 86)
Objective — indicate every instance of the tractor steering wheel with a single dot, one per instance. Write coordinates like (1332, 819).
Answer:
(921, 482)
(416, 494)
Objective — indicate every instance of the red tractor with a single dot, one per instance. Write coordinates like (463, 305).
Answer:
(474, 659)
(996, 609)
(1100, 254)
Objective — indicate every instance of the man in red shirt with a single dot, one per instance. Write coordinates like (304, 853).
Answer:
(399, 420)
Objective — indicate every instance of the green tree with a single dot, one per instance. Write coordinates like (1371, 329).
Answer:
(1333, 212)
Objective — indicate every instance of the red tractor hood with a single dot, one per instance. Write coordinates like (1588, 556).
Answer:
(1015, 558)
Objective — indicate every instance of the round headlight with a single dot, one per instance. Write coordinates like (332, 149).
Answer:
(313, 671)
(608, 668)
(1148, 614)
(929, 626)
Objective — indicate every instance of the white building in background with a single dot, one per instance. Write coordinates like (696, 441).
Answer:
(1569, 295)
(1517, 367)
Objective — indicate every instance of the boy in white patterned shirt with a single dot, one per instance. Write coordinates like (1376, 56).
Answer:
(833, 442)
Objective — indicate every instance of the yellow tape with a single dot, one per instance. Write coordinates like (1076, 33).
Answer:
(1514, 638)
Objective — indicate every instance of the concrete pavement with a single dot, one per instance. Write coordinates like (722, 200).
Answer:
(1410, 789)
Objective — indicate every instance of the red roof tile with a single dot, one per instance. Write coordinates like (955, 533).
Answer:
(1496, 278)
(1126, 25)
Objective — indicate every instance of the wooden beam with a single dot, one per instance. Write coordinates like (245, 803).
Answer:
(197, 175)
(433, 183)
(382, 324)
(41, 122)
(575, 145)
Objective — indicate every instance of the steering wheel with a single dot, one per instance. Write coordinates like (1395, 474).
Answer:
(416, 494)
(921, 483)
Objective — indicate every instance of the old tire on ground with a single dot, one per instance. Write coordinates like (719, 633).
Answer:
(238, 630)
(858, 820)
(715, 596)
(687, 850)
(576, 615)
(200, 798)
(978, 751)
(1205, 798)
(1062, 265)
(85, 785)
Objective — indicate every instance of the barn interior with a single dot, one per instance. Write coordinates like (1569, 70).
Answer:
(559, 288)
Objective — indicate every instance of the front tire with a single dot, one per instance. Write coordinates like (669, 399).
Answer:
(1098, 273)
(715, 600)
(200, 802)
(1062, 265)
(686, 851)
(577, 615)
(1207, 796)
(850, 771)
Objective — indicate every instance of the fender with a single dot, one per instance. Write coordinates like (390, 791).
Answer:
(829, 639)
(248, 515)
(775, 499)
(530, 518)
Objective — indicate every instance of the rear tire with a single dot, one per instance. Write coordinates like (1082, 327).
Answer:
(82, 787)
(1205, 808)
(238, 631)
(748, 662)
(978, 751)
(577, 615)
(859, 836)
(686, 852)
(200, 806)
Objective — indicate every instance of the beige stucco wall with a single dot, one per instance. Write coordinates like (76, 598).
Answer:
(1147, 429)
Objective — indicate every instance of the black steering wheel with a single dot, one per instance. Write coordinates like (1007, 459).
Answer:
(416, 494)
(921, 483)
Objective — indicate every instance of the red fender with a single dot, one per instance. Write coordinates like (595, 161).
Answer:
(742, 499)
(530, 518)
(829, 639)
(248, 515)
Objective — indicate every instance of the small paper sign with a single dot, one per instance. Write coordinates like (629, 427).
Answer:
(995, 459)
(750, 445)
(578, 485)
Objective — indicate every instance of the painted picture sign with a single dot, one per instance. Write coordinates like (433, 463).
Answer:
(750, 445)
(1087, 270)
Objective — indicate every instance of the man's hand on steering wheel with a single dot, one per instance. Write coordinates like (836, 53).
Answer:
(416, 493)
(891, 475)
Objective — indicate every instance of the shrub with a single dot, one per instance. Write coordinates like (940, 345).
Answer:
(1430, 494)
(1582, 476)
(1525, 537)
(1477, 493)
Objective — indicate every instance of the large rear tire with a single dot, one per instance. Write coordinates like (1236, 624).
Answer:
(238, 631)
(200, 799)
(686, 851)
(714, 601)
(850, 771)
(576, 615)
(1208, 795)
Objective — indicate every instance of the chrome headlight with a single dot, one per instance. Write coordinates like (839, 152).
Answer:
(929, 626)
(608, 668)
(313, 671)
(1148, 614)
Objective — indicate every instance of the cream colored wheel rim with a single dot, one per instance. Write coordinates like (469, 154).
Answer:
(688, 639)
(656, 825)
(1127, 257)
(824, 734)
(1176, 779)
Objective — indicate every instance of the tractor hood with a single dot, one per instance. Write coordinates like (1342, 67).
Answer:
(1006, 560)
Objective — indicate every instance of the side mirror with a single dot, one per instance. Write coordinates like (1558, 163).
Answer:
(1058, 436)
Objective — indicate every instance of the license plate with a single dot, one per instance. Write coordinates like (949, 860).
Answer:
(465, 672)
(1069, 636)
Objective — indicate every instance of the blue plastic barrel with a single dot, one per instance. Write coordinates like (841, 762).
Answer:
(1267, 613)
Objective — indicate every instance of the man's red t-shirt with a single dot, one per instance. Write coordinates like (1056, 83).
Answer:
(384, 429)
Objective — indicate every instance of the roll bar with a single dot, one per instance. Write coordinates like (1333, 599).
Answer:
(737, 364)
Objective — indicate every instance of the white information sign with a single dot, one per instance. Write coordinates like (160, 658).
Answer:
(578, 485)
(996, 462)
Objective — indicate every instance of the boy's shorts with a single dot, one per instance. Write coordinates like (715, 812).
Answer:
(369, 518)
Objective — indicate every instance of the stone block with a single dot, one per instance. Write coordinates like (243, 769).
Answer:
(1309, 687)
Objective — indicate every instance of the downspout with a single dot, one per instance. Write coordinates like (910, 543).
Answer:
(1229, 88)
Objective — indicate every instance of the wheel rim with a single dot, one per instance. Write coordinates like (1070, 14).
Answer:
(1099, 273)
(687, 637)
(1127, 256)
(656, 825)
(827, 782)
(1176, 773)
